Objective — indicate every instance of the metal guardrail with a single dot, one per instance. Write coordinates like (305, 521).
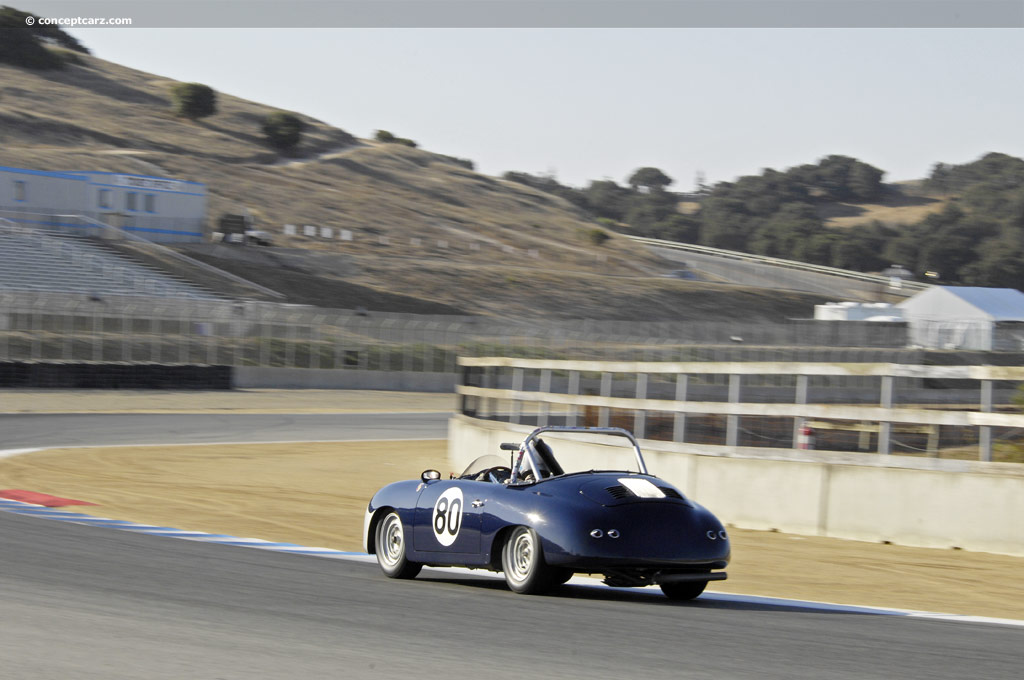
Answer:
(777, 262)
(481, 395)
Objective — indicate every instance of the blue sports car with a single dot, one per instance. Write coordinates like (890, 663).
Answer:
(540, 523)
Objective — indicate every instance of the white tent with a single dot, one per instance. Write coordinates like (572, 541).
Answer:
(954, 317)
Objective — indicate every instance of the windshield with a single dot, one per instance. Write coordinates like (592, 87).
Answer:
(567, 455)
(484, 463)
(579, 457)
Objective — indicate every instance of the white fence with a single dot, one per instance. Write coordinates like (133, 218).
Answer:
(938, 411)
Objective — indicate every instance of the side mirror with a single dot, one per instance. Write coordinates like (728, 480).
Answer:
(430, 476)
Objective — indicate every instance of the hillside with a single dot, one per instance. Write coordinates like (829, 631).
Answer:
(424, 226)
(963, 224)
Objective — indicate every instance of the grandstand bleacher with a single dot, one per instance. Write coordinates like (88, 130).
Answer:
(36, 259)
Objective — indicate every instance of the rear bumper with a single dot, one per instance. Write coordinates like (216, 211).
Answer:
(690, 578)
(682, 558)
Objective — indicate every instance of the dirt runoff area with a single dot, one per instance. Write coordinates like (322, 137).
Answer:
(315, 494)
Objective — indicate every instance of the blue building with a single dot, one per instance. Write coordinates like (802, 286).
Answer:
(157, 208)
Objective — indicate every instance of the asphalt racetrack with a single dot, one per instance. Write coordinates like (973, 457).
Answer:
(85, 429)
(88, 603)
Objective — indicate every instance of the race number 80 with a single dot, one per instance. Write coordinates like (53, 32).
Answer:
(448, 516)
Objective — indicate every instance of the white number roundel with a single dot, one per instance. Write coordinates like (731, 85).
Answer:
(448, 516)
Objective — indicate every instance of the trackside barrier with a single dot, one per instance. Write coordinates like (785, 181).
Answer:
(138, 376)
(927, 502)
(113, 375)
(909, 286)
(697, 419)
(707, 395)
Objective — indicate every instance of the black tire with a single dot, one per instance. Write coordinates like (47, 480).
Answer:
(685, 590)
(560, 576)
(389, 542)
(522, 560)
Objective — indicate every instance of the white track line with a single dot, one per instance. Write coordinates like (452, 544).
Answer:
(579, 580)
(9, 453)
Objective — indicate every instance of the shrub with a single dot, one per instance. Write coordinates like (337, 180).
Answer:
(283, 130)
(388, 138)
(598, 236)
(461, 162)
(194, 100)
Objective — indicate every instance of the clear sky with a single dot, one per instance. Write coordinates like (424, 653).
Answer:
(598, 103)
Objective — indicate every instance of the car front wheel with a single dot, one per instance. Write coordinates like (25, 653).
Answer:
(523, 563)
(391, 548)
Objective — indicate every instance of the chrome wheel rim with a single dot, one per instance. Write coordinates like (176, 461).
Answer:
(392, 546)
(521, 554)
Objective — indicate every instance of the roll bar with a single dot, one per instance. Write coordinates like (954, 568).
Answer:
(533, 460)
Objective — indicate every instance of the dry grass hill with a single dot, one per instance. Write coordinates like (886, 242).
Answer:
(908, 203)
(428, 233)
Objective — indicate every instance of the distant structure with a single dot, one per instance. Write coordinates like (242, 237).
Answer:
(857, 311)
(953, 317)
(700, 182)
(897, 273)
(157, 208)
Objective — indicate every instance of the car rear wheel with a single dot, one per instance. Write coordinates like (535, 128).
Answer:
(523, 563)
(687, 590)
(560, 576)
(391, 548)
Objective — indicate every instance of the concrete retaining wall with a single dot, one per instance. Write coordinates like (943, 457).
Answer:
(908, 501)
(253, 377)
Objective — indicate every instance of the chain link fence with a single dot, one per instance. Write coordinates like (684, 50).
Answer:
(40, 326)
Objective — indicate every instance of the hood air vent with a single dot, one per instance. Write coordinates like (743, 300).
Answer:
(619, 492)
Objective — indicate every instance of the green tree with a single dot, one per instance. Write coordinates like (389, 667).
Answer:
(676, 228)
(645, 210)
(948, 253)
(194, 100)
(25, 45)
(905, 250)
(605, 198)
(283, 130)
(851, 252)
(786, 233)
(1000, 265)
(844, 179)
(725, 223)
(651, 179)
(865, 182)
(998, 170)
(818, 248)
